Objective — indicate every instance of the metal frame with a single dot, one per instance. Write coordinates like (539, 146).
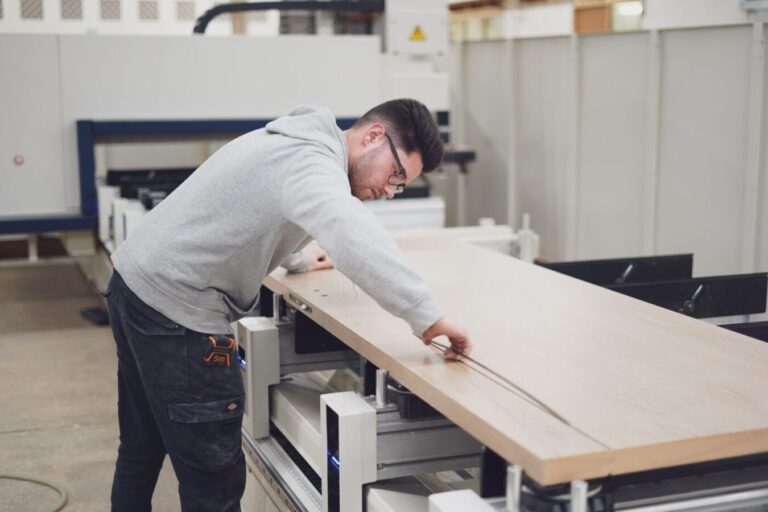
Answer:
(755, 138)
(666, 281)
(757, 330)
(348, 441)
(90, 133)
(715, 485)
(272, 460)
(704, 297)
(627, 270)
(42, 224)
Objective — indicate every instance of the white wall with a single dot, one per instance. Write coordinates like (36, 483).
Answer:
(702, 145)
(761, 138)
(538, 21)
(627, 144)
(543, 148)
(57, 80)
(613, 156)
(486, 192)
(664, 14)
(31, 145)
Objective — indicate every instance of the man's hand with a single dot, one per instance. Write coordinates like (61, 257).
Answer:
(460, 343)
(318, 259)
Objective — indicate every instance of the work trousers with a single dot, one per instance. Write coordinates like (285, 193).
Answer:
(174, 399)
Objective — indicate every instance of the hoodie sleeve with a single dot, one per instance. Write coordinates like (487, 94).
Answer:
(296, 262)
(316, 197)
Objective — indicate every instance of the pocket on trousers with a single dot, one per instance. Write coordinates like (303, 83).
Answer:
(159, 344)
(208, 434)
(150, 322)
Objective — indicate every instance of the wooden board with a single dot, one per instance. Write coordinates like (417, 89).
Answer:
(639, 387)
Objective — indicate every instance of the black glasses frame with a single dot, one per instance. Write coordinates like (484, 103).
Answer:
(399, 175)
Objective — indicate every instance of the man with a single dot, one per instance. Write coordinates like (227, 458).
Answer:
(196, 263)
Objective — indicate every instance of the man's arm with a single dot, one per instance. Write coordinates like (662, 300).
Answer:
(296, 262)
(458, 337)
(316, 197)
(308, 259)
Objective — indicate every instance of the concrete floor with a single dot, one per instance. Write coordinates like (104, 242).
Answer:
(58, 394)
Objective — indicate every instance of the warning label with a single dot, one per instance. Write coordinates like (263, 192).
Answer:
(417, 34)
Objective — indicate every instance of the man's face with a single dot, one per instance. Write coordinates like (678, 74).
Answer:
(374, 172)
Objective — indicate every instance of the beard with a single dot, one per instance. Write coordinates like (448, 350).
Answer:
(360, 172)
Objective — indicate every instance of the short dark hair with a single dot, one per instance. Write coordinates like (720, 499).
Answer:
(412, 128)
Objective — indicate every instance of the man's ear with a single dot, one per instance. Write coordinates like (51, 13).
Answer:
(373, 133)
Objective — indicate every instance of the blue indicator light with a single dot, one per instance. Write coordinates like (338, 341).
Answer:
(334, 461)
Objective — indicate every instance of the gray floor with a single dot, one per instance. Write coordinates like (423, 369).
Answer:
(58, 399)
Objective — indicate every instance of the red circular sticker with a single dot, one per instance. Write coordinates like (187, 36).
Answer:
(18, 159)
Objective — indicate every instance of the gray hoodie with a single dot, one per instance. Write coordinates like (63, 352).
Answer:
(200, 256)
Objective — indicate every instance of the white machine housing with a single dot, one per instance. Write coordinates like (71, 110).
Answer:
(458, 501)
(258, 335)
(349, 443)
(417, 28)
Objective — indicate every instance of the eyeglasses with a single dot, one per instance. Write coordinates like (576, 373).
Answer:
(397, 178)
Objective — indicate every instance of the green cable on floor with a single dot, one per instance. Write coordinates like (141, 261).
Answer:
(50, 485)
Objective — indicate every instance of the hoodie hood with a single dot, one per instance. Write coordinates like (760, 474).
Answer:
(313, 124)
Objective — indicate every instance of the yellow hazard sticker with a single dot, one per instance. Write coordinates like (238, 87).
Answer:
(417, 34)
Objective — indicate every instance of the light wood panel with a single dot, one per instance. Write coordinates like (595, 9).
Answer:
(592, 19)
(639, 387)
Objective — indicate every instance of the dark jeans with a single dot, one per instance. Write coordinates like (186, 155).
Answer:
(171, 401)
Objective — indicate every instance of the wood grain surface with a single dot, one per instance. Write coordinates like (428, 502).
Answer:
(638, 387)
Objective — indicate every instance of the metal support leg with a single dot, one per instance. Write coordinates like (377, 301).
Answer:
(276, 307)
(32, 244)
(348, 445)
(381, 388)
(528, 240)
(514, 487)
(260, 340)
(493, 474)
(461, 198)
(579, 490)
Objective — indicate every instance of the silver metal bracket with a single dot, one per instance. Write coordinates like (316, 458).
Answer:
(514, 487)
(579, 494)
(381, 388)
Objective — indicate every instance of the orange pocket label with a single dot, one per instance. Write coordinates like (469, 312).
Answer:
(221, 351)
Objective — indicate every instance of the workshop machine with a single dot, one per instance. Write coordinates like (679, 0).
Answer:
(325, 430)
(71, 108)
